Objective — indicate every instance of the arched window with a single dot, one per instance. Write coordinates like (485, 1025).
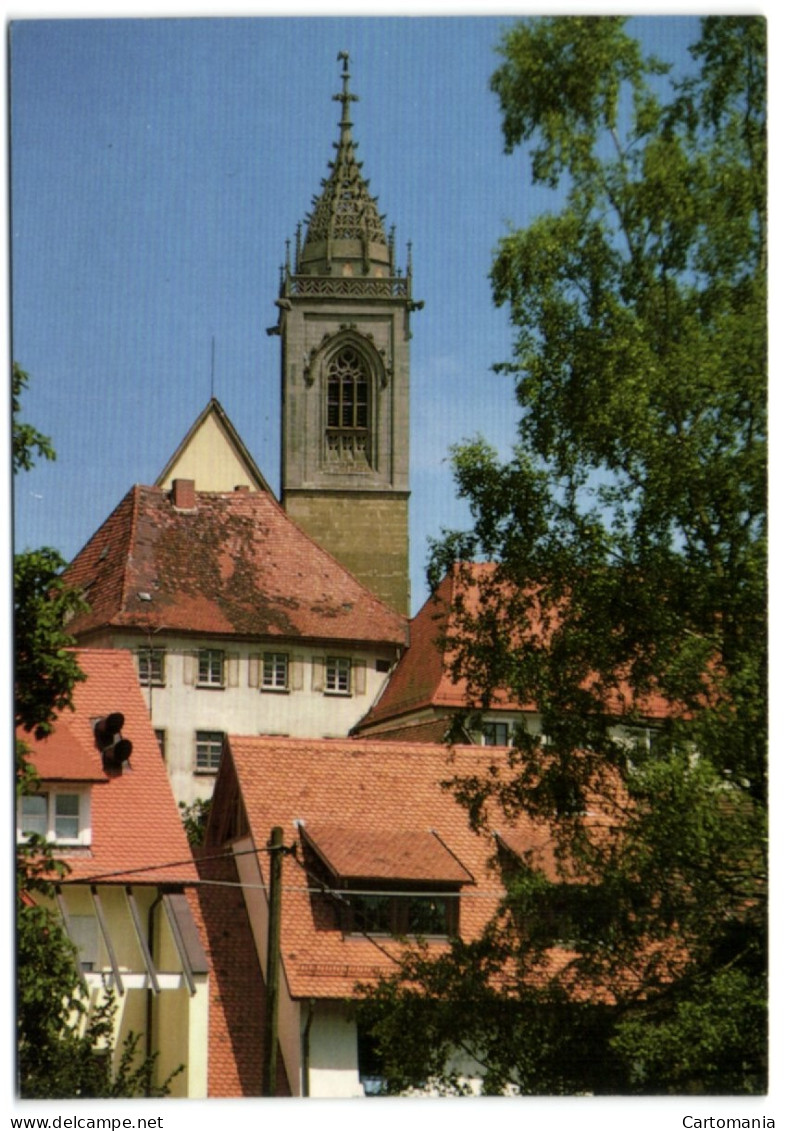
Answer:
(347, 408)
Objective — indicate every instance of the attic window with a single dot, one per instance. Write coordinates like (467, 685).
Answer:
(389, 883)
(433, 914)
(61, 817)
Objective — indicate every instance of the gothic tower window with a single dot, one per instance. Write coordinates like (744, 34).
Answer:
(348, 408)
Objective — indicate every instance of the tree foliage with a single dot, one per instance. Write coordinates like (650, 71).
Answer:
(629, 535)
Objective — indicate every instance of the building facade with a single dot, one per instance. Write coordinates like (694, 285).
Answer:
(238, 621)
(127, 901)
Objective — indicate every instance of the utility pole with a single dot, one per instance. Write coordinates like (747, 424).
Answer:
(276, 850)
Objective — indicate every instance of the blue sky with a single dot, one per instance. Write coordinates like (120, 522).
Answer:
(157, 169)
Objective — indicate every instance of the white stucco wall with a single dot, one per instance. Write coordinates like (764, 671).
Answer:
(181, 708)
(332, 1052)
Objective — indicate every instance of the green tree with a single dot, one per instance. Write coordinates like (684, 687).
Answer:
(63, 1050)
(629, 535)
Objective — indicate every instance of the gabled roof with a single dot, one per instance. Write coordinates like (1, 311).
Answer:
(234, 564)
(372, 809)
(422, 679)
(137, 836)
(213, 447)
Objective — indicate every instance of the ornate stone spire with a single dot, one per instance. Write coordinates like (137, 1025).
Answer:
(345, 224)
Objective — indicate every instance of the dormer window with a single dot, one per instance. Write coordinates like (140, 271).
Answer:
(427, 914)
(61, 817)
(387, 883)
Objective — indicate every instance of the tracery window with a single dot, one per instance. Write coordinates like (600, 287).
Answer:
(347, 408)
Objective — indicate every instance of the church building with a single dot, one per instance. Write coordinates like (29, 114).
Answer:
(252, 616)
(344, 316)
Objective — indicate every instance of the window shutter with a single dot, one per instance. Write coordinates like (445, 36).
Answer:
(231, 669)
(190, 667)
(359, 677)
(317, 673)
(254, 668)
(296, 675)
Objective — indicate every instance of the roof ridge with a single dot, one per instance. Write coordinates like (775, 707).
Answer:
(135, 492)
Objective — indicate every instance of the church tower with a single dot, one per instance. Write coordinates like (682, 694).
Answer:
(344, 314)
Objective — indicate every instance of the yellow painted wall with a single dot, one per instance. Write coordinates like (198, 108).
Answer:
(211, 460)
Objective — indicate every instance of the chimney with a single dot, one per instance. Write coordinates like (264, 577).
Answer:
(242, 488)
(184, 494)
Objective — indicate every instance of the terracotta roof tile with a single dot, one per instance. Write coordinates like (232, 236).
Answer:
(234, 565)
(137, 835)
(62, 756)
(422, 678)
(395, 853)
(359, 801)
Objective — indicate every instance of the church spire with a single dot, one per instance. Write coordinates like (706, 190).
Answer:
(345, 226)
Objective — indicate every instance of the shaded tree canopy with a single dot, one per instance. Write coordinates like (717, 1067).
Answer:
(631, 520)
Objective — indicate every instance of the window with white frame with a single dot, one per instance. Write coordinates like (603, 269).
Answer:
(61, 817)
(275, 671)
(209, 744)
(210, 669)
(151, 664)
(338, 673)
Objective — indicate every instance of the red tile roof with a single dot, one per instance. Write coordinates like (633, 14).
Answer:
(137, 835)
(394, 854)
(371, 808)
(422, 679)
(234, 565)
(62, 756)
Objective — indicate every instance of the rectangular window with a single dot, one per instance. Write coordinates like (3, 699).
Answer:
(211, 668)
(275, 671)
(35, 818)
(337, 675)
(372, 914)
(66, 816)
(161, 740)
(427, 915)
(83, 930)
(495, 734)
(62, 818)
(151, 666)
(383, 914)
(209, 744)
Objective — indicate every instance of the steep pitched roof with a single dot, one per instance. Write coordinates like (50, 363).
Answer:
(373, 809)
(233, 564)
(137, 835)
(422, 678)
(213, 439)
(345, 211)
